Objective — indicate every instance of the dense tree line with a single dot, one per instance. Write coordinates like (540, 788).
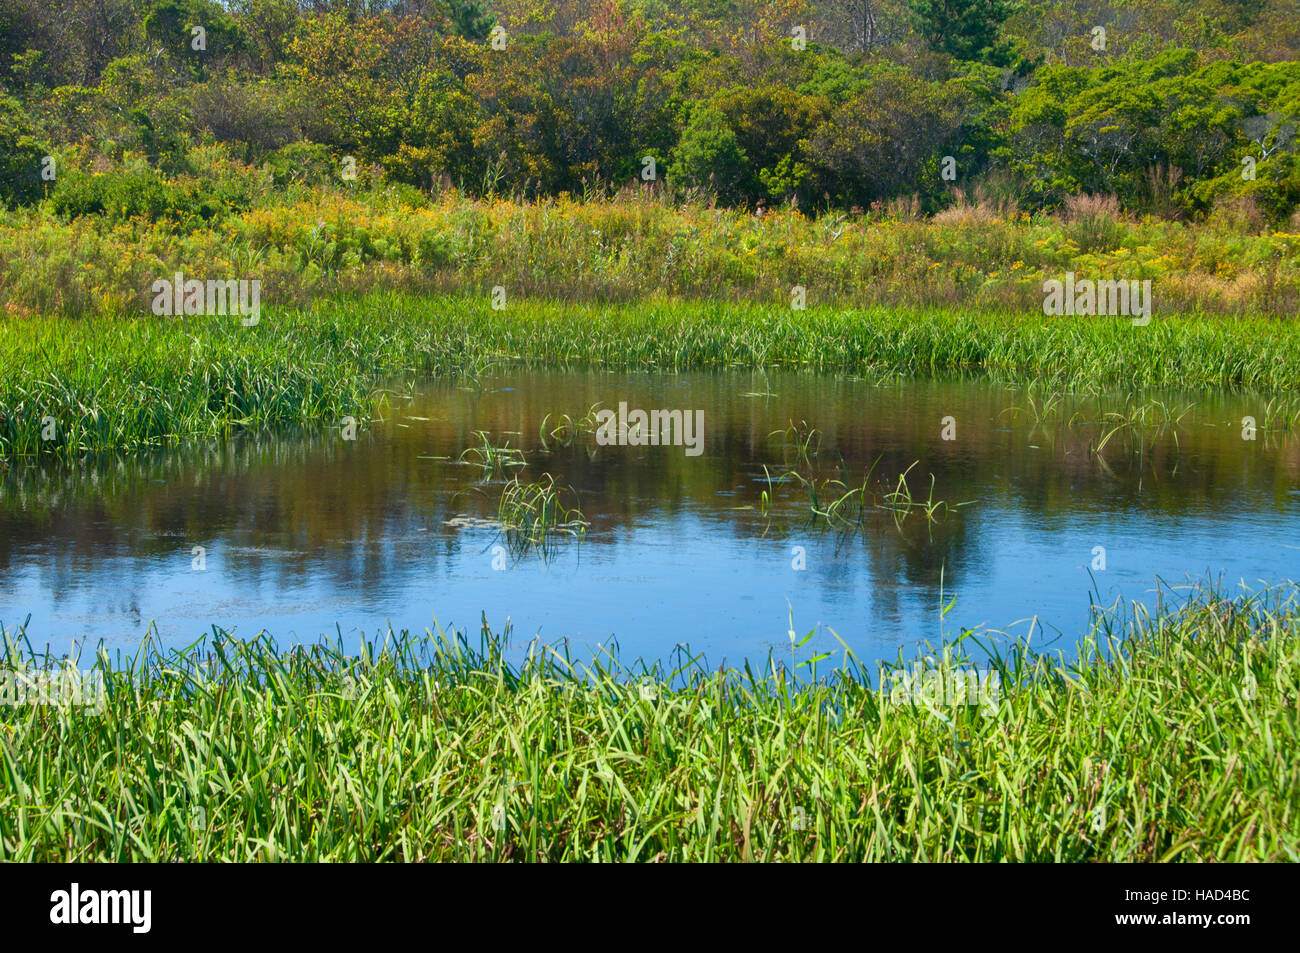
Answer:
(1173, 106)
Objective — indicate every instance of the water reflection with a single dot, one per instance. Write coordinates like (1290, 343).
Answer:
(305, 531)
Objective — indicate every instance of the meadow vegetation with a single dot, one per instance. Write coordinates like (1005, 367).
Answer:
(642, 244)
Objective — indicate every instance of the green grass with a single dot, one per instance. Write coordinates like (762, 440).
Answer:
(533, 515)
(834, 503)
(493, 460)
(1175, 743)
(117, 383)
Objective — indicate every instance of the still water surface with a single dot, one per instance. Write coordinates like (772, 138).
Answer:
(306, 535)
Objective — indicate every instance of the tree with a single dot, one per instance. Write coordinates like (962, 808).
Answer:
(859, 26)
(887, 139)
(471, 19)
(709, 155)
(965, 29)
(772, 126)
(169, 24)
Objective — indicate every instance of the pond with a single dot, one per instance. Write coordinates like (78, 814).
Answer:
(1026, 508)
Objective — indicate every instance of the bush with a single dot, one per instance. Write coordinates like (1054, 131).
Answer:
(216, 184)
(118, 195)
(255, 117)
(1093, 220)
(1239, 214)
(303, 163)
(437, 249)
(20, 155)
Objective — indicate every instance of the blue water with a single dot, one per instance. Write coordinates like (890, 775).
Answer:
(308, 535)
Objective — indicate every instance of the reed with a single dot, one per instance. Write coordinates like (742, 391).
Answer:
(567, 428)
(804, 440)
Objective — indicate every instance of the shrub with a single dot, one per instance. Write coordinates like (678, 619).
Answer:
(304, 163)
(1239, 214)
(20, 155)
(118, 195)
(216, 183)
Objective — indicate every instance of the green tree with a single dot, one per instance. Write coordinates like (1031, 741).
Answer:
(965, 29)
(772, 126)
(471, 19)
(169, 26)
(709, 155)
(887, 140)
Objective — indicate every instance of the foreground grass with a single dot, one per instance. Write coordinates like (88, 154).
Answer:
(1172, 738)
(114, 383)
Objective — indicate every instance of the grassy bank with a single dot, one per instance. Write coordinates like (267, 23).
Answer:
(121, 382)
(1174, 745)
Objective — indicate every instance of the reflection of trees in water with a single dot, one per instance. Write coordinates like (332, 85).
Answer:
(893, 563)
(309, 502)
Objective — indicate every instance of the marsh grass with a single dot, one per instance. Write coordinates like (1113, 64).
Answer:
(495, 461)
(567, 428)
(898, 499)
(533, 514)
(1170, 737)
(801, 439)
(308, 246)
(1139, 425)
(1134, 426)
(1281, 413)
(833, 501)
(120, 383)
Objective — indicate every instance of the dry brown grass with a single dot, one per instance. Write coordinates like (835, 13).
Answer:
(902, 209)
(1078, 208)
(983, 210)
